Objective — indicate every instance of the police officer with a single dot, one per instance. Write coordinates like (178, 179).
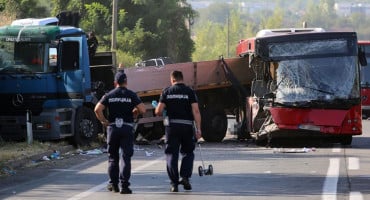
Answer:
(92, 43)
(181, 105)
(123, 105)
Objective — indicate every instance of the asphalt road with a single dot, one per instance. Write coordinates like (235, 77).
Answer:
(241, 170)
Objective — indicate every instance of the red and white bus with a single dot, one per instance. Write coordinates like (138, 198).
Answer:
(307, 83)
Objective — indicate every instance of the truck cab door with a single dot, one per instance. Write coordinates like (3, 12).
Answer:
(69, 75)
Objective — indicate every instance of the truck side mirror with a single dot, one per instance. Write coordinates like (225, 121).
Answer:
(362, 57)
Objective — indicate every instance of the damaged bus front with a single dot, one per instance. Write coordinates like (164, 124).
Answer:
(311, 84)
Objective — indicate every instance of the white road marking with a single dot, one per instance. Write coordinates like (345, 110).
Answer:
(331, 180)
(336, 150)
(104, 184)
(353, 163)
(355, 196)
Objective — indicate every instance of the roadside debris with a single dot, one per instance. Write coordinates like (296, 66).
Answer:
(53, 156)
(149, 154)
(8, 171)
(91, 152)
(302, 150)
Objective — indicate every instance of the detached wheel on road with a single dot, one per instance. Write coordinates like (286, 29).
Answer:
(214, 125)
(86, 127)
(200, 171)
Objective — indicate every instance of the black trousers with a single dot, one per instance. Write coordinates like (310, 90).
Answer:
(179, 139)
(120, 139)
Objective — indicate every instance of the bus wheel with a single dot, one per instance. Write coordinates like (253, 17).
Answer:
(86, 127)
(214, 125)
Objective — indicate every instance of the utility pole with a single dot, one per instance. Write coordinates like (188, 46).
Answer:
(114, 25)
(228, 33)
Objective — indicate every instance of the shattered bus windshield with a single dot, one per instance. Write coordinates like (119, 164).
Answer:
(315, 70)
(22, 57)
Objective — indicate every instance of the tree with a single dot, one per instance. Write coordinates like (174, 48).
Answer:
(152, 28)
(210, 42)
(274, 21)
(24, 8)
(166, 20)
(218, 36)
(321, 15)
(2, 5)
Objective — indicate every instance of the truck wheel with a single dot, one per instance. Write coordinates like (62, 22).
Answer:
(154, 133)
(86, 127)
(214, 125)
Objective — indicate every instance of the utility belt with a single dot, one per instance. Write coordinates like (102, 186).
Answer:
(181, 121)
(167, 121)
(119, 123)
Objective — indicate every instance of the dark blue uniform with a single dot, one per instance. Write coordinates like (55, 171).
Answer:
(180, 130)
(120, 103)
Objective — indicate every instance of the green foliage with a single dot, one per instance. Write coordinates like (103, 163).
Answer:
(132, 41)
(274, 21)
(220, 37)
(2, 5)
(210, 42)
(58, 6)
(25, 8)
(126, 59)
(96, 17)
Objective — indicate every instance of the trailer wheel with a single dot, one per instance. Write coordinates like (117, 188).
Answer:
(214, 125)
(154, 133)
(86, 127)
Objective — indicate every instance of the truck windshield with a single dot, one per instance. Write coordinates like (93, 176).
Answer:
(22, 57)
(323, 71)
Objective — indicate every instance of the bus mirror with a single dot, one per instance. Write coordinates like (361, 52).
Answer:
(362, 57)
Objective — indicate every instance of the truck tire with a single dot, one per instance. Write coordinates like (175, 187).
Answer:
(154, 133)
(214, 125)
(86, 127)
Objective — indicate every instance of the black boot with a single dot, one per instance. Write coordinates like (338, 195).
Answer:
(186, 183)
(113, 187)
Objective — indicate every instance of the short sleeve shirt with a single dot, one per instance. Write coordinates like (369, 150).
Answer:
(120, 103)
(178, 99)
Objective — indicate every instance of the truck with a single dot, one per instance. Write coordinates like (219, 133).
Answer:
(47, 78)
(284, 83)
(161, 61)
(364, 45)
(217, 96)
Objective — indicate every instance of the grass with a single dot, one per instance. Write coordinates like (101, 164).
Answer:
(18, 150)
